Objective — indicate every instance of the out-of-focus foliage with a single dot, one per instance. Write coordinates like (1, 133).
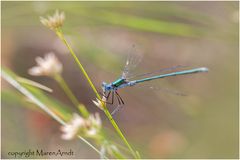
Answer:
(61, 110)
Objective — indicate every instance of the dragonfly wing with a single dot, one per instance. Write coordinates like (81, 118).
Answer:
(134, 58)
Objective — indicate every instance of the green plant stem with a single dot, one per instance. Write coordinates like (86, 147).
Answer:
(66, 89)
(70, 95)
(114, 124)
(118, 130)
(61, 36)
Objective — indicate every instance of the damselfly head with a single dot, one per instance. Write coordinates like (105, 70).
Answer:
(106, 87)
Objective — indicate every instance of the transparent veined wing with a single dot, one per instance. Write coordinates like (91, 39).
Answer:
(157, 72)
(168, 90)
(161, 88)
(134, 58)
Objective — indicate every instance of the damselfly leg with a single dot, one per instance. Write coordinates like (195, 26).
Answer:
(106, 96)
(120, 104)
(118, 97)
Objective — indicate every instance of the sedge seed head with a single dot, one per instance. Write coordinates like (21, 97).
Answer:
(55, 21)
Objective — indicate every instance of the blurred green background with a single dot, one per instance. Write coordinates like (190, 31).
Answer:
(203, 124)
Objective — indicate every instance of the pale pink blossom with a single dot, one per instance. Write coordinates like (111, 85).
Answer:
(47, 66)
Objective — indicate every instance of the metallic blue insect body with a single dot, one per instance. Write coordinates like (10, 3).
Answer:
(110, 89)
(123, 82)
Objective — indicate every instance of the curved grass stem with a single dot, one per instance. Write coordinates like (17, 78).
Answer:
(107, 113)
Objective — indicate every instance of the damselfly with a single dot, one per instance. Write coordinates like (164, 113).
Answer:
(110, 89)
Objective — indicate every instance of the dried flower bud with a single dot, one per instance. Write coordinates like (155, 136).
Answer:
(99, 103)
